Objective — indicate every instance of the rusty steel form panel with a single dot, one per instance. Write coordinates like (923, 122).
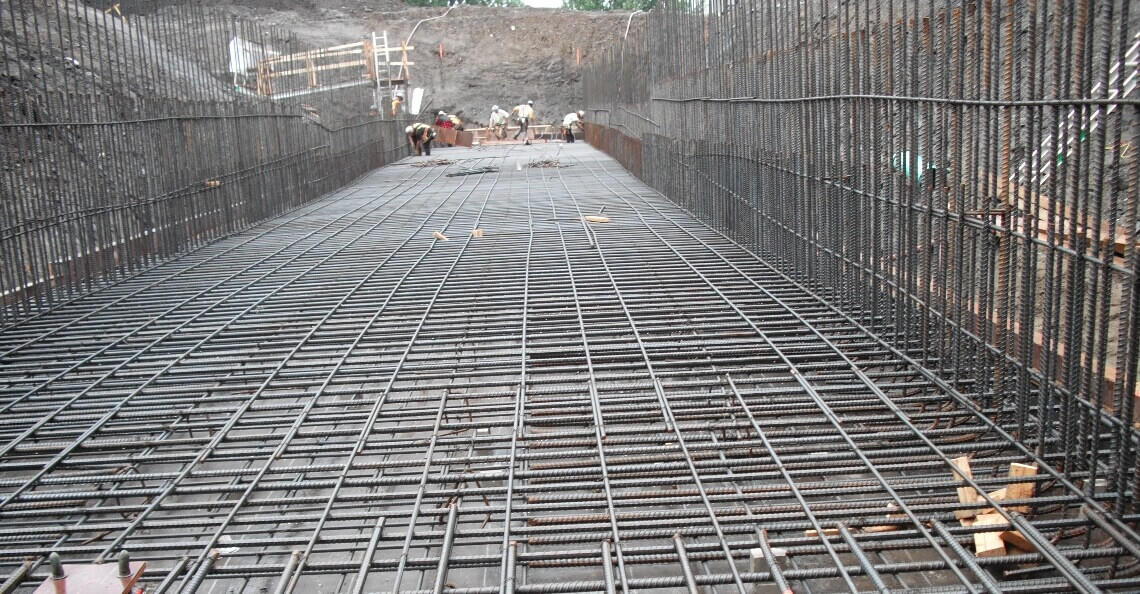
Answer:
(594, 393)
(626, 149)
(960, 177)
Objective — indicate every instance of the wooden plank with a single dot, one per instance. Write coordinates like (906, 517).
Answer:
(308, 70)
(826, 532)
(965, 494)
(264, 84)
(312, 55)
(339, 50)
(454, 137)
(1015, 538)
(369, 60)
(1021, 490)
(999, 495)
(405, 72)
(392, 50)
(989, 544)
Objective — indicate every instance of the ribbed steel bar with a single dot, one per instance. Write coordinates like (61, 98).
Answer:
(130, 138)
(550, 406)
(957, 177)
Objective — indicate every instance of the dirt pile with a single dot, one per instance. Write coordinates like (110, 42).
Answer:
(78, 49)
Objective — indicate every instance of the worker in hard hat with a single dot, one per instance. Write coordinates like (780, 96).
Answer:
(498, 121)
(419, 137)
(443, 122)
(525, 115)
(456, 122)
(571, 121)
(397, 102)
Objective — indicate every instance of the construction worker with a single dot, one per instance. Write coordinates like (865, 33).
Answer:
(571, 121)
(419, 137)
(397, 103)
(455, 121)
(498, 121)
(525, 115)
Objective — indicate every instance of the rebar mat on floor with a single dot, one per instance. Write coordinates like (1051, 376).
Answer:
(547, 163)
(431, 163)
(474, 171)
(583, 407)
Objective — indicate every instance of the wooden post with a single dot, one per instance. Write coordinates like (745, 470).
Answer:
(369, 52)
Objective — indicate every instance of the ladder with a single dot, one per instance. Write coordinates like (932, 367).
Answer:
(391, 66)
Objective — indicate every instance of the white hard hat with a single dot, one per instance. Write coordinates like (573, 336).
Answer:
(530, 102)
(494, 108)
(443, 113)
(581, 114)
(408, 130)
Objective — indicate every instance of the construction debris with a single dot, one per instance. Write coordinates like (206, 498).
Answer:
(547, 163)
(965, 494)
(1016, 539)
(476, 233)
(989, 544)
(474, 171)
(211, 183)
(992, 544)
(431, 163)
(439, 236)
(595, 219)
(892, 516)
(1021, 490)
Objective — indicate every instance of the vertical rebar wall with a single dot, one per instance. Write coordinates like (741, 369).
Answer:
(126, 139)
(960, 177)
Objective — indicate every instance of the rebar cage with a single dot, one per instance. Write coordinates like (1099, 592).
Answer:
(521, 369)
(337, 400)
(960, 177)
(129, 138)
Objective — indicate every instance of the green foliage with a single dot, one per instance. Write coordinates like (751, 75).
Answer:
(618, 5)
(495, 3)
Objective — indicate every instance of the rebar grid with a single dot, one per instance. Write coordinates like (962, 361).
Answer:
(335, 401)
(959, 176)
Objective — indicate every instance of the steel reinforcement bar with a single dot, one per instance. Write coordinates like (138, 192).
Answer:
(959, 177)
(128, 138)
(337, 400)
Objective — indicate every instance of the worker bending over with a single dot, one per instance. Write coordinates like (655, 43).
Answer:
(525, 115)
(419, 137)
(498, 121)
(571, 121)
